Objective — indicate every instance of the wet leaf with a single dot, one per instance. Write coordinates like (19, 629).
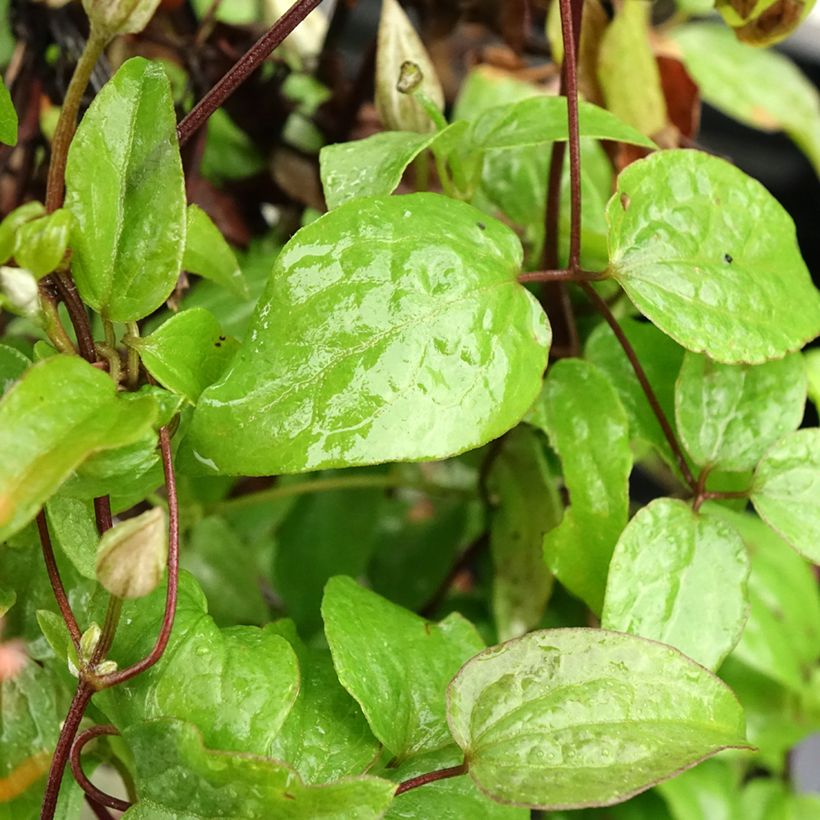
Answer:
(395, 664)
(679, 578)
(409, 339)
(177, 778)
(127, 248)
(207, 254)
(41, 243)
(187, 353)
(527, 506)
(59, 413)
(761, 88)
(711, 258)
(786, 492)
(537, 715)
(729, 415)
(74, 530)
(8, 117)
(588, 428)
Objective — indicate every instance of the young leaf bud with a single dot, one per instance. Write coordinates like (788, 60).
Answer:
(113, 17)
(89, 640)
(131, 555)
(401, 59)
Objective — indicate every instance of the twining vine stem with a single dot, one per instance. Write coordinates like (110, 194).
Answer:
(431, 777)
(79, 775)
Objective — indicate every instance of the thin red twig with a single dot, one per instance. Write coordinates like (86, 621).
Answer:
(85, 784)
(243, 68)
(431, 777)
(563, 275)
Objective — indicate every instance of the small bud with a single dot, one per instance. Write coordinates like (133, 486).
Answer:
(131, 555)
(113, 17)
(72, 666)
(403, 66)
(89, 640)
(105, 668)
(18, 292)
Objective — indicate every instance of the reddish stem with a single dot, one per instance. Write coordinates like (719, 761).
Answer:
(85, 784)
(431, 777)
(57, 582)
(563, 275)
(243, 68)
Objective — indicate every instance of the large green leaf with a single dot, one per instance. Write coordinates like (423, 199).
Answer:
(178, 778)
(760, 87)
(709, 256)
(208, 254)
(543, 119)
(325, 737)
(679, 578)
(61, 411)
(125, 188)
(187, 353)
(569, 718)
(8, 117)
(729, 415)
(395, 664)
(784, 601)
(786, 490)
(527, 504)
(661, 360)
(392, 329)
(588, 427)
(237, 685)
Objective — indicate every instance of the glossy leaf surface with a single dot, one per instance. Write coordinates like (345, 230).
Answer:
(395, 664)
(759, 87)
(527, 507)
(207, 254)
(588, 428)
(710, 257)
(237, 685)
(786, 490)
(569, 718)
(187, 353)
(8, 117)
(74, 531)
(542, 119)
(679, 578)
(125, 189)
(729, 415)
(178, 778)
(411, 340)
(41, 243)
(59, 413)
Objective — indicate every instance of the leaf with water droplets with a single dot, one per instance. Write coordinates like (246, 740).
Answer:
(395, 664)
(569, 718)
(786, 491)
(711, 258)
(178, 778)
(729, 415)
(679, 578)
(392, 329)
(587, 426)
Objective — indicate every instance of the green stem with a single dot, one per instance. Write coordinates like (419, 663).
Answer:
(320, 485)
(133, 363)
(112, 357)
(53, 326)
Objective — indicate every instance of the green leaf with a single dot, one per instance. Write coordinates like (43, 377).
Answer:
(422, 344)
(12, 224)
(661, 359)
(711, 258)
(129, 231)
(8, 117)
(74, 530)
(12, 365)
(812, 360)
(527, 506)
(710, 791)
(729, 415)
(456, 798)
(395, 664)
(628, 72)
(784, 601)
(207, 254)
(541, 119)
(237, 685)
(41, 243)
(60, 412)
(187, 353)
(369, 167)
(325, 736)
(588, 428)
(229, 152)
(786, 491)
(177, 778)
(679, 578)
(569, 718)
(759, 87)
